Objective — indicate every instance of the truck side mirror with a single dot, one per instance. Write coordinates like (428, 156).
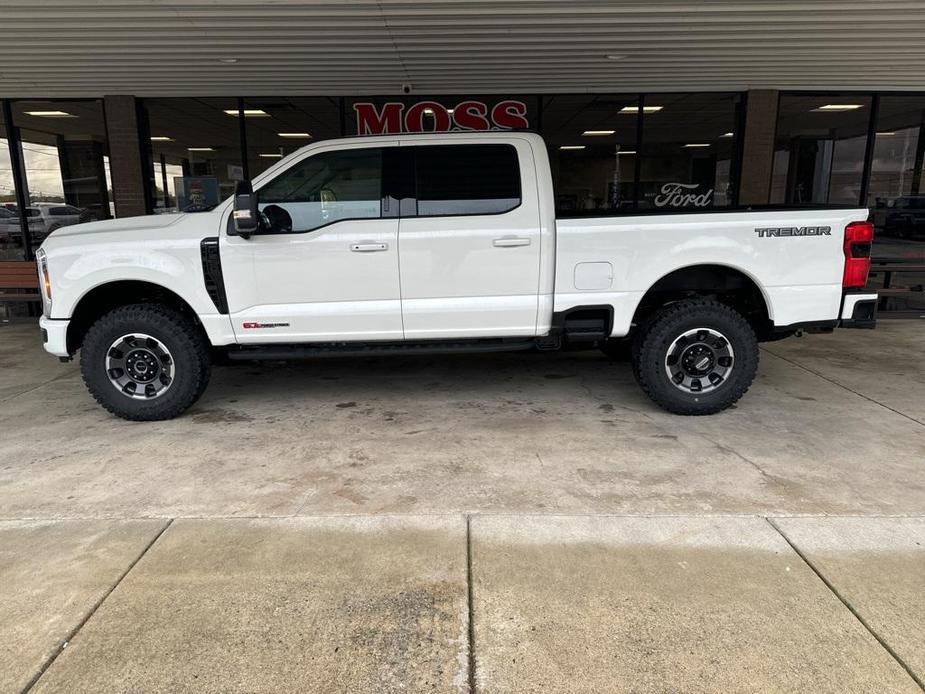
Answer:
(246, 215)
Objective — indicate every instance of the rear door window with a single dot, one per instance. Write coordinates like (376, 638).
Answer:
(455, 180)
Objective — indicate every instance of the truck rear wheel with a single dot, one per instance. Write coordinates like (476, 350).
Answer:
(696, 357)
(145, 362)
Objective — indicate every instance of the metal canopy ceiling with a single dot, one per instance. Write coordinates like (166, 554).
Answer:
(76, 48)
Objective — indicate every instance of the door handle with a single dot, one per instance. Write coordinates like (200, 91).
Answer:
(511, 241)
(368, 247)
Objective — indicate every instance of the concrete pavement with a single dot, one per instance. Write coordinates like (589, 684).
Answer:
(513, 523)
(367, 604)
(594, 604)
(53, 574)
(540, 433)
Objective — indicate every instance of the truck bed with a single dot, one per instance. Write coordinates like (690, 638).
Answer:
(794, 255)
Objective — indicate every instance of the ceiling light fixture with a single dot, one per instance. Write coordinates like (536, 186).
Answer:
(593, 133)
(886, 134)
(248, 112)
(645, 109)
(271, 155)
(200, 149)
(697, 144)
(572, 147)
(161, 138)
(51, 114)
(835, 108)
(728, 135)
(295, 135)
(627, 151)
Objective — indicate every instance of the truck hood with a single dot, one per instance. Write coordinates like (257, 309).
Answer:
(128, 224)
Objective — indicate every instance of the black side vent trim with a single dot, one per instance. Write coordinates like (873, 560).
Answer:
(212, 272)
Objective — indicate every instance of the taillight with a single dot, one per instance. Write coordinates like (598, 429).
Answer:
(858, 239)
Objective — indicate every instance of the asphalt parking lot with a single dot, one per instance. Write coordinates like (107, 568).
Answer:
(502, 523)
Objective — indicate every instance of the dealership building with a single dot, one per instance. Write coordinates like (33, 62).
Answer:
(129, 108)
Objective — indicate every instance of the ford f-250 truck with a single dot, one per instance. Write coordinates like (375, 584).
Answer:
(440, 242)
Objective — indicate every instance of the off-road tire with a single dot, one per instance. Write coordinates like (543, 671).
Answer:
(659, 334)
(185, 342)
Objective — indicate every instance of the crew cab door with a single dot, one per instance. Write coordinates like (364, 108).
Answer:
(469, 239)
(324, 266)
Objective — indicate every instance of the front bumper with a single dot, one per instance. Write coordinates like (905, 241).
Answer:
(859, 310)
(54, 335)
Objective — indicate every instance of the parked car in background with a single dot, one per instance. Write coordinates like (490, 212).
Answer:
(55, 215)
(905, 218)
(10, 231)
(9, 222)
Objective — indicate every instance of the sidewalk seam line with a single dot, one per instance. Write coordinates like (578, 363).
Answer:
(70, 635)
(842, 385)
(35, 388)
(471, 604)
(844, 601)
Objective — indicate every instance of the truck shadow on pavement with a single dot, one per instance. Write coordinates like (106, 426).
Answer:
(586, 375)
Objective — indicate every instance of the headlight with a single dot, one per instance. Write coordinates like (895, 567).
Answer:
(44, 280)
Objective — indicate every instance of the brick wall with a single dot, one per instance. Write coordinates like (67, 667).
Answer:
(128, 184)
(758, 147)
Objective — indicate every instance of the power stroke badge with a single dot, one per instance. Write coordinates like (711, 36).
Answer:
(771, 232)
(251, 326)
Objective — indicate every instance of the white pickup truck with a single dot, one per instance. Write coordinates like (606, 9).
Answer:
(440, 242)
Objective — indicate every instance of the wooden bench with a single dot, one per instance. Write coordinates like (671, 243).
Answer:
(19, 281)
(890, 267)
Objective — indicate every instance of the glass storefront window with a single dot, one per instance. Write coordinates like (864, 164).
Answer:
(65, 155)
(288, 125)
(11, 247)
(195, 152)
(896, 195)
(592, 151)
(897, 192)
(689, 150)
(819, 148)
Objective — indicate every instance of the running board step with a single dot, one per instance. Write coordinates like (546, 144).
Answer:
(353, 349)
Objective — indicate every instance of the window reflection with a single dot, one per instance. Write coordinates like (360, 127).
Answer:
(287, 126)
(897, 197)
(896, 193)
(689, 146)
(819, 149)
(194, 152)
(687, 152)
(592, 151)
(11, 246)
(65, 156)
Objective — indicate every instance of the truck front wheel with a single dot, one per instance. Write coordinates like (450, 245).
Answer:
(696, 357)
(145, 362)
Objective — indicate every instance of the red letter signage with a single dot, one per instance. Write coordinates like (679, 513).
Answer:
(470, 115)
(414, 118)
(432, 116)
(372, 122)
(510, 114)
